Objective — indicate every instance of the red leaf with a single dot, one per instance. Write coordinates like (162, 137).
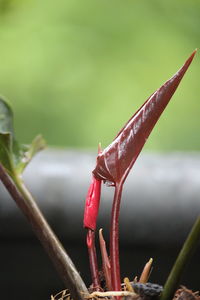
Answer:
(115, 162)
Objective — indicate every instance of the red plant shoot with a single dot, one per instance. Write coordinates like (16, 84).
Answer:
(115, 162)
(89, 222)
(92, 204)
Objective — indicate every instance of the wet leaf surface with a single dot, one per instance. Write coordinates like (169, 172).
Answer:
(116, 161)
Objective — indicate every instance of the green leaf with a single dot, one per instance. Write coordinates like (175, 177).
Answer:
(6, 136)
(6, 118)
(24, 153)
(6, 152)
(14, 156)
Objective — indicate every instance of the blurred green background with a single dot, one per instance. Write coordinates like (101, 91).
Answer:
(76, 70)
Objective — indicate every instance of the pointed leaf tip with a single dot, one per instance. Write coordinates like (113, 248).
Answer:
(99, 148)
(115, 161)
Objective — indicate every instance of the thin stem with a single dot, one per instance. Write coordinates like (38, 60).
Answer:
(48, 239)
(114, 239)
(181, 261)
(105, 261)
(93, 260)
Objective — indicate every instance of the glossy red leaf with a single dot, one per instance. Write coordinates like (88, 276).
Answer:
(115, 162)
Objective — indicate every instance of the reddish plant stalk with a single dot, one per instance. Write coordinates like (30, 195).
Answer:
(114, 239)
(89, 222)
(93, 260)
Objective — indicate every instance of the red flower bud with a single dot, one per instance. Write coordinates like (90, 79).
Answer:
(92, 204)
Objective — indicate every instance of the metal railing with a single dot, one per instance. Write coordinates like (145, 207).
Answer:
(160, 202)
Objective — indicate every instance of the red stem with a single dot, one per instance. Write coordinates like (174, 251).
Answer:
(114, 239)
(93, 260)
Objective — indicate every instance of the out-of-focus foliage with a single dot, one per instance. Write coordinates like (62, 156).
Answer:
(75, 70)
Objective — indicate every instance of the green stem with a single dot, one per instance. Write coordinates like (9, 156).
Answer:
(44, 233)
(181, 261)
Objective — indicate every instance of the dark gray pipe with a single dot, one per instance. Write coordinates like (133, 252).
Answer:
(161, 197)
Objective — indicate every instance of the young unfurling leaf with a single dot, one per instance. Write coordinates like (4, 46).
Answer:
(24, 153)
(115, 162)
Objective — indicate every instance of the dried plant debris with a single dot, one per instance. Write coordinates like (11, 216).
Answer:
(133, 291)
(127, 285)
(63, 295)
(111, 294)
(185, 294)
